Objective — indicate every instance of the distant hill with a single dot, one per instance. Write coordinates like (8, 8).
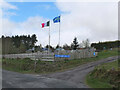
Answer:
(106, 45)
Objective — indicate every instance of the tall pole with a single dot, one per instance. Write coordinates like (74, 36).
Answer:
(49, 37)
(59, 31)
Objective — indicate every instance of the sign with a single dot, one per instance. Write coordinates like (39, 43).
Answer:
(65, 56)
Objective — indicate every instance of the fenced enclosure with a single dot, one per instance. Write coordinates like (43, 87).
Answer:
(77, 54)
(50, 56)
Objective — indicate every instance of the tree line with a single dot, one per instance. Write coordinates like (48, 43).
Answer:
(21, 44)
(106, 45)
(17, 44)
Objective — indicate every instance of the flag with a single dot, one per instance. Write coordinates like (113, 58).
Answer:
(45, 24)
(56, 19)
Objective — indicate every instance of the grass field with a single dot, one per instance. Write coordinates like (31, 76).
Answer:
(27, 65)
(104, 76)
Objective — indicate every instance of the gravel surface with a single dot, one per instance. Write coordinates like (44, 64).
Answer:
(72, 78)
(17, 80)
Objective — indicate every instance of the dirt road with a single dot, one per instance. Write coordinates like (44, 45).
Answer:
(73, 78)
(78, 74)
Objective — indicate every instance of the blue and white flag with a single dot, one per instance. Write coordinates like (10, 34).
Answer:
(56, 19)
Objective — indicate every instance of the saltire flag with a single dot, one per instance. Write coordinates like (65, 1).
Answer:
(56, 19)
(45, 24)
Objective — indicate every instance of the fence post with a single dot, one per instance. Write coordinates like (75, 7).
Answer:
(35, 65)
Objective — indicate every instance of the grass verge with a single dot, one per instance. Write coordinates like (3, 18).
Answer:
(104, 76)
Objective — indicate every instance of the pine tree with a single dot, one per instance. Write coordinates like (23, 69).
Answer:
(75, 44)
(33, 39)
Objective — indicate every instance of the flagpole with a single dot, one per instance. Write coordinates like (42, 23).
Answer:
(59, 31)
(49, 37)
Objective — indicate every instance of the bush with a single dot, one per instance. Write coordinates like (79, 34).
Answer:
(111, 76)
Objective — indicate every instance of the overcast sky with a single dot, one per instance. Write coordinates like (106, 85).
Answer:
(97, 21)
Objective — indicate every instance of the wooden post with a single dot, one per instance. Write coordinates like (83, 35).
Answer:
(35, 65)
